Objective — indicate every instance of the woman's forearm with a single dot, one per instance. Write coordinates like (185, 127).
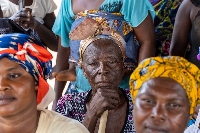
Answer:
(47, 36)
(1, 13)
(147, 38)
(61, 64)
(147, 50)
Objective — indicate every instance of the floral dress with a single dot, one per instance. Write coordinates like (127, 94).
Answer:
(74, 106)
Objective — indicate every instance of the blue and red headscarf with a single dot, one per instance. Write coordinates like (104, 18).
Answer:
(34, 58)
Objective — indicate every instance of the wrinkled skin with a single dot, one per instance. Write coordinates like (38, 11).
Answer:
(103, 67)
(144, 32)
(161, 106)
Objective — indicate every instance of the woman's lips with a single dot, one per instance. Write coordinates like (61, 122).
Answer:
(6, 99)
(103, 85)
(156, 130)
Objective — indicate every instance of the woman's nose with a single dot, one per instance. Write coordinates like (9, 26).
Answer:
(158, 114)
(103, 70)
(3, 84)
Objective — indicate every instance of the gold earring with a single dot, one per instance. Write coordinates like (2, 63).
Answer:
(80, 63)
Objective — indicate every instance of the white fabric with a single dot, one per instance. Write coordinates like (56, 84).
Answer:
(52, 122)
(39, 8)
(48, 98)
(194, 128)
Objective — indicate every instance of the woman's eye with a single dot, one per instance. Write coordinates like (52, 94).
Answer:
(13, 76)
(148, 101)
(174, 105)
(112, 63)
(93, 63)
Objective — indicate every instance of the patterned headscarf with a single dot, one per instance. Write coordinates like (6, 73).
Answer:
(113, 36)
(174, 67)
(90, 30)
(34, 58)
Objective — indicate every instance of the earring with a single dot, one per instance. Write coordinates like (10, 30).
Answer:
(80, 62)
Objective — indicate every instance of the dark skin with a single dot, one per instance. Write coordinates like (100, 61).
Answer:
(60, 65)
(18, 104)
(26, 20)
(156, 114)
(180, 37)
(144, 32)
(103, 67)
(1, 13)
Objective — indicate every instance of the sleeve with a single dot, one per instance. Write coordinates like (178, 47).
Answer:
(63, 22)
(50, 6)
(135, 11)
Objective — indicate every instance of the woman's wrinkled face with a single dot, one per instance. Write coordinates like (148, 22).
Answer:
(17, 89)
(161, 106)
(103, 64)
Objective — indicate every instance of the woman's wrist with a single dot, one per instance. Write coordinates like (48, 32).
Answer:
(35, 24)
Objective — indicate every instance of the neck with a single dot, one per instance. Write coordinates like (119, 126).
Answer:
(25, 122)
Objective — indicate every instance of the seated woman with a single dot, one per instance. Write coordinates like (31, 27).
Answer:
(102, 60)
(36, 16)
(24, 92)
(165, 92)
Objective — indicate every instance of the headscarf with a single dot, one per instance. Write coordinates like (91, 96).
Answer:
(113, 36)
(174, 67)
(89, 35)
(34, 58)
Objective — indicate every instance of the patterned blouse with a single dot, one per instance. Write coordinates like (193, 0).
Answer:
(74, 106)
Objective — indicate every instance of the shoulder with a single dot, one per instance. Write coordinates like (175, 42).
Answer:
(72, 105)
(186, 10)
(46, 4)
(74, 97)
(129, 125)
(57, 123)
(187, 4)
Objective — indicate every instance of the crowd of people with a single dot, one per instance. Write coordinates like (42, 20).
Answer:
(132, 66)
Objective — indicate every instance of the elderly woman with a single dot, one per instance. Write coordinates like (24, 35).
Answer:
(102, 60)
(130, 17)
(24, 92)
(165, 92)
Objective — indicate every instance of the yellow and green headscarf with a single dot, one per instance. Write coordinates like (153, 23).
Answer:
(174, 67)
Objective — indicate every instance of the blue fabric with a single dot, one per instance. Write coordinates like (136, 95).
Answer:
(130, 46)
(11, 41)
(134, 11)
(192, 121)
